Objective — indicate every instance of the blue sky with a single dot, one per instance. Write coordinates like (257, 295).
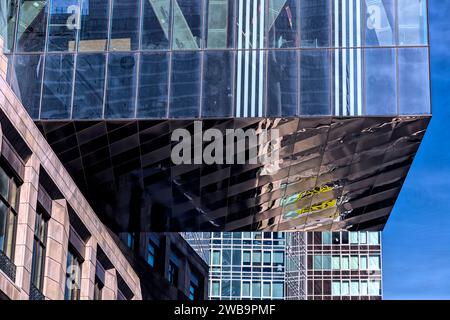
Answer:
(416, 253)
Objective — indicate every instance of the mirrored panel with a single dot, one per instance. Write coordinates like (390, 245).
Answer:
(380, 81)
(412, 22)
(187, 24)
(414, 81)
(26, 81)
(153, 85)
(94, 25)
(63, 25)
(8, 11)
(155, 25)
(315, 76)
(219, 24)
(89, 86)
(282, 23)
(125, 25)
(218, 84)
(315, 23)
(32, 26)
(282, 83)
(379, 22)
(57, 89)
(185, 85)
(121, 86)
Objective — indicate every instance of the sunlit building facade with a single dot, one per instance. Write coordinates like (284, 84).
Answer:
(345, 82)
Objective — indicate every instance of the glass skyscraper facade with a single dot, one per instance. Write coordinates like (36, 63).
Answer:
(345, 82)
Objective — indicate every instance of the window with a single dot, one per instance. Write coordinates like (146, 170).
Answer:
(278, 290)
(318, 262)
(374, 238)
(215, 257)
(336, 263)
(267, 290)
(186, 22)
(282, 25)
(315, 23)
(246, 289)
(363, 263)
(151, 253)
(267, 257)
(73, 276)
(364, 288)
(256, 289)
(345, 263)
(194, 288)
(236, 257)
(412, 22)
(246, 258)
(125, 25)
(326, 238)
(336, 238)
(98, 288)
(363, 238)
(374, 263)
(336, 288)
(62, 27)
(172, 274)
(345, 290)
(215, 288)
(226, 288)
(375, 288)
(235, 288)
(354, 288)
(354, 262)
(8, 9)
(353, 237)
(39, 247)
(94, 25)
(257, 258)
(226, 257)
(32, 25)
(9, 204)
(326, 262)
(278, 258)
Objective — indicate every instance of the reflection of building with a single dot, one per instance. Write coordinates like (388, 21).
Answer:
(292, 265)
(53, 245)
(343, 265)
(108, 95)
(244, 265)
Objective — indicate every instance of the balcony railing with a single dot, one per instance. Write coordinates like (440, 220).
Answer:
(7, 266)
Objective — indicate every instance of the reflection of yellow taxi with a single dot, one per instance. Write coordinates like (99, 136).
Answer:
(314, 208)
(308, 193)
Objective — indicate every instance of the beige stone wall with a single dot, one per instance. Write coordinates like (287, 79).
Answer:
(58, 226)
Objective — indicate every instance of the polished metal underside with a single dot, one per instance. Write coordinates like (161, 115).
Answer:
(334, 173)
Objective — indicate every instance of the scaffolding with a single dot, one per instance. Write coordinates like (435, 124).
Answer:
(295, 266)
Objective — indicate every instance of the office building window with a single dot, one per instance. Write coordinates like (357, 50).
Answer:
(362, 238)
(336, 238)
(374, 263)
(215, 257)
(278, 290)
(73, 276)
(354, 288)
(345, 263)
(326, 238)
(278, 258)
(353, 237)
(317, 262)
(336, 263)
(151, 253)
(246, 256)
(354, 262)
(98, 289)
(215, 288)
(267, 290)
(345, 288)
(9, 204)
(364, 288)
(172, 274)
(326, 262)
(257, 258)
(363, 263)
(336, 288)
(375, 288)
(374, 238)
(267, 257)
(256, 289)
(246, 289)
(194, 288)
(39, 248)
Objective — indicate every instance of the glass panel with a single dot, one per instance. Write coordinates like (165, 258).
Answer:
(236, 257)
(155, 25)
(278, 258)
(354, 262)
(266, 290)
(345, 289)
(121, 91)
(3, 225)
(246, 289)
(219, 33)
(63, 25)
(374, 263)
(217, 84)
(315, 23)
(345, 263)
(354, 288)
(226, 288)
(381, 87)
(216, 257)
(246, 257)
(26, 81)
(94, 25)
(215, 288)
(363, 238)
(226, 257)
(374, 288)
(363, 263)
(185, 87)
(282, 24)
(11, 232)
(412, 22)
(336, 263)
(125, 25)
(317, 262)
(326, 263)
(282, 83)
(236, 288)
(374, 238)
(7, 23)
(326, 238)
(256, 289)
(414, 81)
(153, 86)
(315, 83)
(277, 290)
(4, 184)
(257, 257)
(32, 26)
(89, 86)
(353, 237)
(336, 288)
(364, 288)
(379, 22)
(187, 24)
(58, 81)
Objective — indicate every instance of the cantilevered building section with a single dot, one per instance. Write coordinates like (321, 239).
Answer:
(345, 82)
